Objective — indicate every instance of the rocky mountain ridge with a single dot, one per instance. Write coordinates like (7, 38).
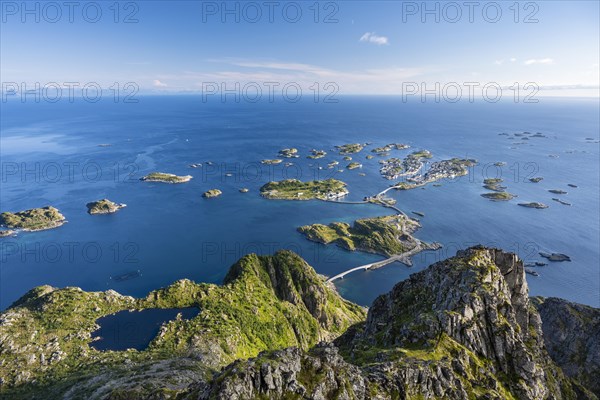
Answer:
(464, 328)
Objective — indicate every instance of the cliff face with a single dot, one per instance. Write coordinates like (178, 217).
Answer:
(463, 328)
(572, 337)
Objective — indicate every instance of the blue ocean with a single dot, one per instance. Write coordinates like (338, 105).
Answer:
(68, 154)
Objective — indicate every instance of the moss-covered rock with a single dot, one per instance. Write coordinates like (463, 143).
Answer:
(462, 329)
(265, 303)
(36, 219)
(350, 148)
(212, 193)
(388, 235)
(498, 196)
(104, 206)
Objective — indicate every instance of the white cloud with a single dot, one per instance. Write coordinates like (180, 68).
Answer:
(371, 37)
(369, 81)
(499, 62)
(157, 83)
(513, 59)
(539, 61)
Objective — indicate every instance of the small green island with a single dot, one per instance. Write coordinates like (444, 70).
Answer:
(315, 154)
(351, 148)
(104, 206)
(294, 189)
(35, 219)
(289, 153)
(498, 196)
(354, 165)
(388, 236)
(536, 179)
(494, 184)
(165, 177)
(389, 147)
(212, 193)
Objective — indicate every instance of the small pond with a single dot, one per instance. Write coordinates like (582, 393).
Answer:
(134, 329)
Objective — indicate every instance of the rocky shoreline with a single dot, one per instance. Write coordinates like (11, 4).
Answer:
(165, 178)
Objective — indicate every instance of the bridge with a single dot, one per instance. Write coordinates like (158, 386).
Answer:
(404, 258)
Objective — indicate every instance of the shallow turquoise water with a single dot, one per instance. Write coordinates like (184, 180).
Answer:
(50, 156)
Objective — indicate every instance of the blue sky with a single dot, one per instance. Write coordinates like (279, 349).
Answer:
(373, 48)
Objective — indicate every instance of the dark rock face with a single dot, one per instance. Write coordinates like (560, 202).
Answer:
(572, 337)
(463, 328)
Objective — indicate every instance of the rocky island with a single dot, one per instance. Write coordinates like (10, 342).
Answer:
(36, 219)
(104, 206)
(464, 328)
(350, 148)
(289, 153)
(354, 165)
(564, 203)
(533, 204)
(315, 154)
(494, 184)
(555, 256)
(272, 161)
(294, 189)
(394, 168)
(166, 178)
(499, 196)
(212, 193)
(389, 147)
(6, 233)
(387, 236)
(445, 169)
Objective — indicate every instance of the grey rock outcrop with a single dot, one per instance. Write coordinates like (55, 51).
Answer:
(572, 337)
(463, 328)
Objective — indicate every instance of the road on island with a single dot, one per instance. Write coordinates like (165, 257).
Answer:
(404, 258)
